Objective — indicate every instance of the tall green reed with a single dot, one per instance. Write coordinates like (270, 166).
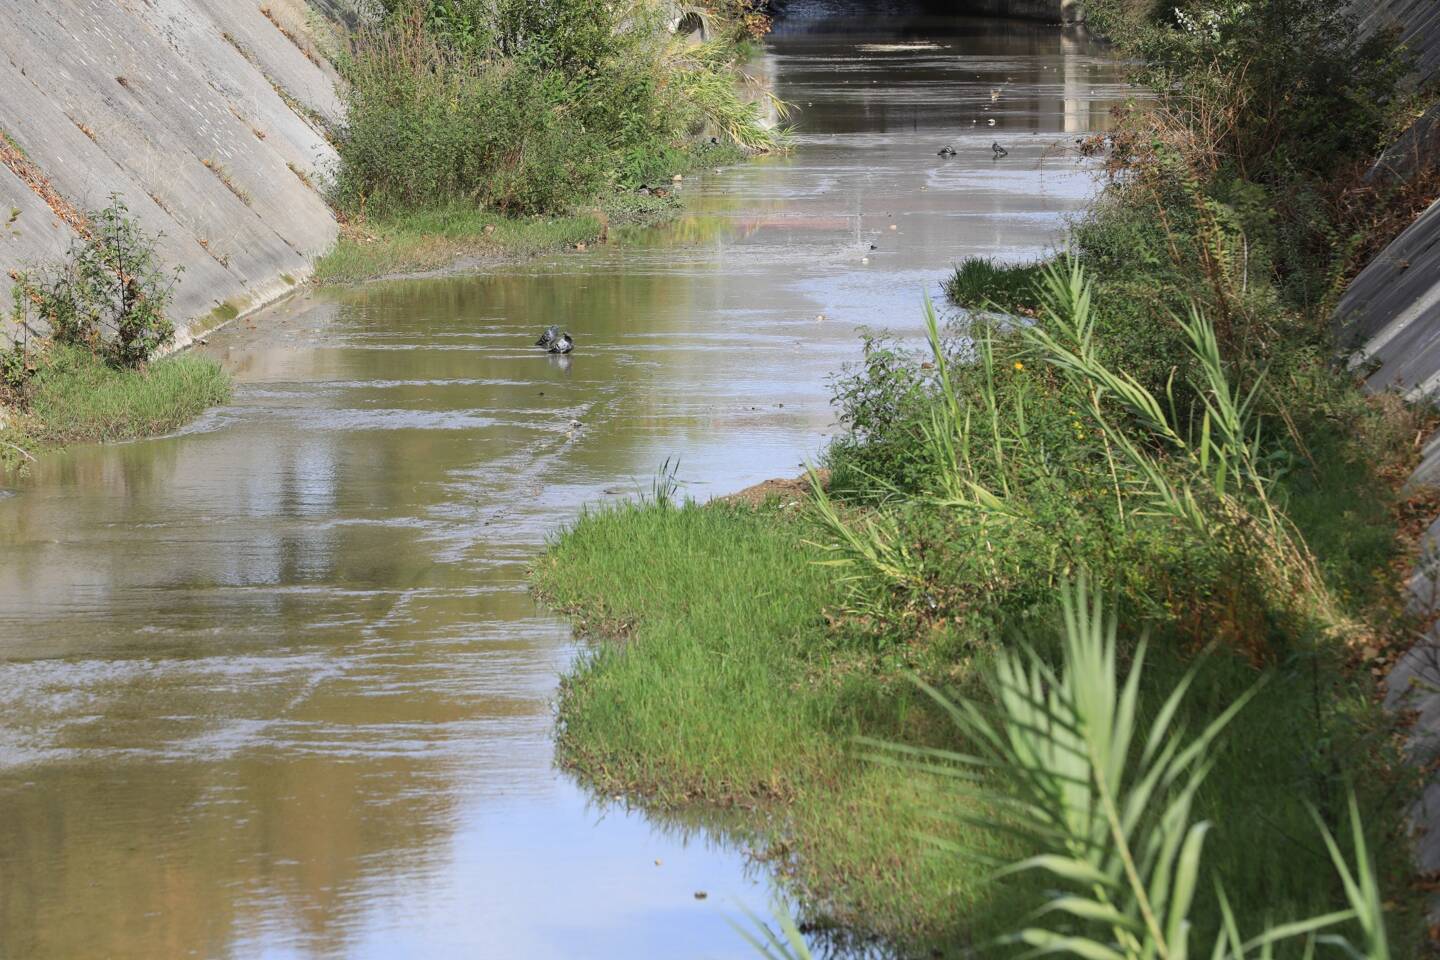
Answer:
(1104, 802)
(1206, 472)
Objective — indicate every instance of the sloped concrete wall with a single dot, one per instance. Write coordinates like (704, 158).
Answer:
(1390, 313)
(208, 117)
(1390, 317)
(1418, 23)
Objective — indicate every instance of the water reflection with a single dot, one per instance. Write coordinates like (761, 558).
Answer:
(274, 687)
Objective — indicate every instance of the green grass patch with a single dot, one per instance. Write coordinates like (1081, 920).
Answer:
(981, 283)
(75, 397)
(430, 239)
(722, 679)
(718, 683)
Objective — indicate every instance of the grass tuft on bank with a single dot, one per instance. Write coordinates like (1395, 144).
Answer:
(425, 240)
(76, 397)
(717, 682)
(982, 283)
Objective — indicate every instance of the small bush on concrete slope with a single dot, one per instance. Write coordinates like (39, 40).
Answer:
(88, 329)
(108, 295)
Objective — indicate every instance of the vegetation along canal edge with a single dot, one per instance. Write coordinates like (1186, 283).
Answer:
(1078, 645)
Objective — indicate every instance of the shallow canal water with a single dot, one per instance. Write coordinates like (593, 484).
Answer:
(274, 687)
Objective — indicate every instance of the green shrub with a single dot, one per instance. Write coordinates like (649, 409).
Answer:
(427, 127)
(1268, 91)
(527, 107)
(883, 403)
(1004, 469)
(108, 295)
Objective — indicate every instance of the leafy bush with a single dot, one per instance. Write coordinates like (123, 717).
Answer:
(1237, 189)
(1267, 91)
(883, 402)
(527, 107)
(427, 126)
(109, 294)
(1028, 457)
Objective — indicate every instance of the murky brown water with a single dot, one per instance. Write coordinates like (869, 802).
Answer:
(275, 688)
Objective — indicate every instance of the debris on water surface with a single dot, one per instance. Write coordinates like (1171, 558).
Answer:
(897, 47)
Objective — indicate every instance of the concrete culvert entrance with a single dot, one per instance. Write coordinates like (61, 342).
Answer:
(692, 24)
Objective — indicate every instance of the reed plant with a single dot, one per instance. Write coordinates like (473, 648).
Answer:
(1132, 467)
(1103, 801)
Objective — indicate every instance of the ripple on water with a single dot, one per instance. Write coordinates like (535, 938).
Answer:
(279, 677)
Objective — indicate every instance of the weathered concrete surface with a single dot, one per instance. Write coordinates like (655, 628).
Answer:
(1390, 315)
(203, 115)
(1418, 23)
(1416, 151)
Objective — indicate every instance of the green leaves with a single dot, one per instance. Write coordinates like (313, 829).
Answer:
(109, 295)
(1219, 483)
(789, 944)
(1108, 804)
(1060, 755)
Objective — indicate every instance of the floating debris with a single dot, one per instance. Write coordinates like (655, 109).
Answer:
(897, 47)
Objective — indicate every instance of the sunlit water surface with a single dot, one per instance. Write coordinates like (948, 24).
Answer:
(275, 687)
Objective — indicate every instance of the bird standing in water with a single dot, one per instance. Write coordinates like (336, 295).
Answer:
(549, 336)
(562, 345)
(998, 151)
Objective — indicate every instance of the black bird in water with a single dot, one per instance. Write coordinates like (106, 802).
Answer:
(563, 345)
(999, 151)
(551, 333)
(946, 152)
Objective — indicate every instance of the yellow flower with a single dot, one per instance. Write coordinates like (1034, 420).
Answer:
(1019, 365)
